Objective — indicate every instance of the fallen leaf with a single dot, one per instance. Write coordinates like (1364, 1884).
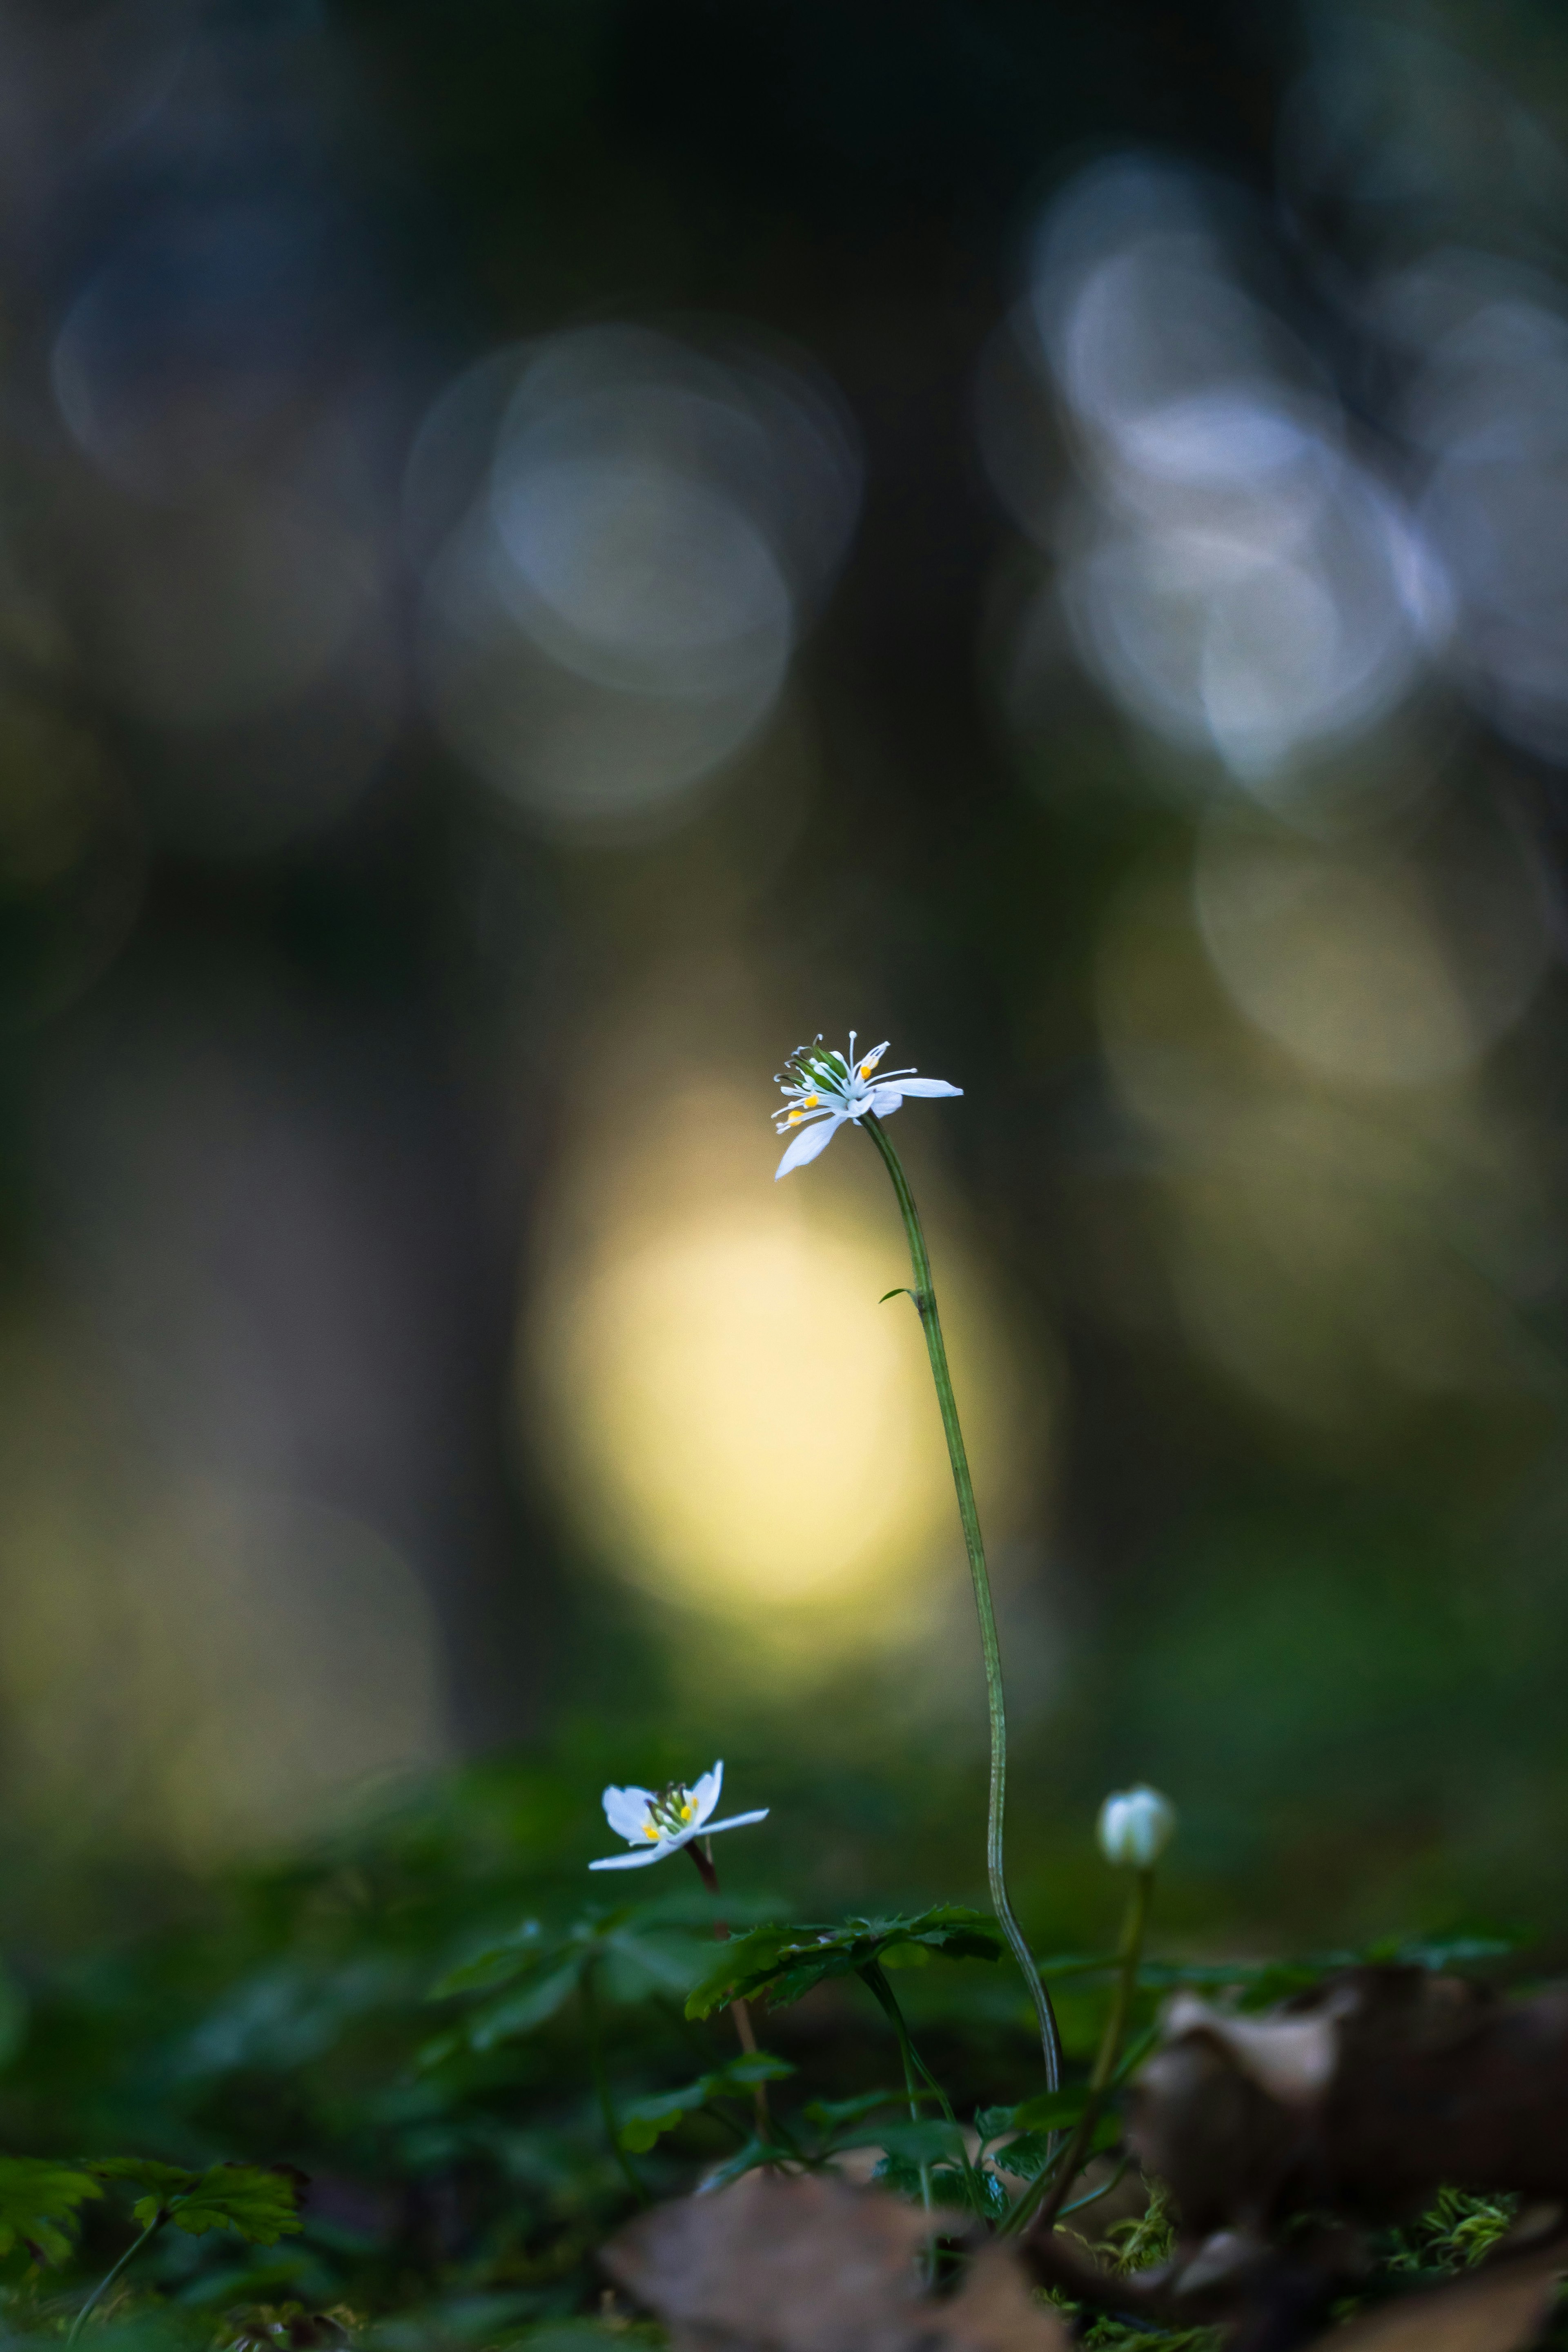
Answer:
(810, 2264)
(996, 2311)
(1502, 2309)
(1383, 2086)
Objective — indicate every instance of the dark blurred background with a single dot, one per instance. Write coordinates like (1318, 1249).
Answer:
(549, 549)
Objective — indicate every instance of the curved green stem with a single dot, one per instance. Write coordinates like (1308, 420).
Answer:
(104, 2283)
(924, 1295)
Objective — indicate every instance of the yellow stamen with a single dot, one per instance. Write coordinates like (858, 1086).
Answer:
(686, 1812)
(809, 1102)
(649, 1832)
(795, 1118)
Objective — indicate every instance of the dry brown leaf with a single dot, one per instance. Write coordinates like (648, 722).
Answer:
(996, 2312)
(809, 2265)
(1362, 2100)
(1500, 2309)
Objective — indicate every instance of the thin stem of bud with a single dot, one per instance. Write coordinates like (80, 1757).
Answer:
(924, 1297)
(1109, 2050)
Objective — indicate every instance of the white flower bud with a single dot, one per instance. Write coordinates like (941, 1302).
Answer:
(1135, 1827)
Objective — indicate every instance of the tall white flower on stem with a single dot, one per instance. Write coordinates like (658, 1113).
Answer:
(654, 1822)
(823, 1089)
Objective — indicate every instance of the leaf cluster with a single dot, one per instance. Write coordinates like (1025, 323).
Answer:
(645, 2120)
(261, 2202)
(785, 1962)
(40, 2201)
(635, 1952)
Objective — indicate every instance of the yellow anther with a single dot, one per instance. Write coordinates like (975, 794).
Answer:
(686, 1812)
(795, 1118)
(809, 1102)
(649, 1832)
(866, 1068)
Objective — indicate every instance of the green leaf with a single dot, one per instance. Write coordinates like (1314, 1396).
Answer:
(639, 1964)
(496, 1964)
(519, 2013)
(756, 2066)
(38, 2203)
(166, 2179)
(756, 2151)
(749, 1962)
(991, 2122)
(947, 2183)
(993, 2198)
(931, 2142)
(1052, 2111)
(431, 2055)
(1027, 2156)
(953, 1928)
(786, 1962)
(643, 2120)
(833, 2114)
(165, 2182)
(261, 2201)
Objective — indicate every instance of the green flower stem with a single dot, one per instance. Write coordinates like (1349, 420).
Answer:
(602, 2081)
(104, 2283)
(1094, 2195)
(924, 1297)
(873, 1975)
(884, 1993)
(702, 1855)
(1109, 2050)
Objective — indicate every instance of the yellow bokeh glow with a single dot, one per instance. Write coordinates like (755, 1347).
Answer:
(732, 1419)
(755, 1412)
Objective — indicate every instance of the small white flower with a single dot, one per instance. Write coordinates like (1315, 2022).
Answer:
(822, 1089)
(656, 1822)
(1136, 1825)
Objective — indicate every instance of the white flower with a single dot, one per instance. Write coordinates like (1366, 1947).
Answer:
(824, 1089)
(1136, 1825)
(661, 1823)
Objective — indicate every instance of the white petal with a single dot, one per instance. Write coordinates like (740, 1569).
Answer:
(705, 1795)
(808, 1144)
(626, 1810)
(735, 1821)
(886, 1101)
(928, 1086)
(633, 1860)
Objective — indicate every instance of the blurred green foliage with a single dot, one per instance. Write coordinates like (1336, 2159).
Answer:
(433, 2018)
